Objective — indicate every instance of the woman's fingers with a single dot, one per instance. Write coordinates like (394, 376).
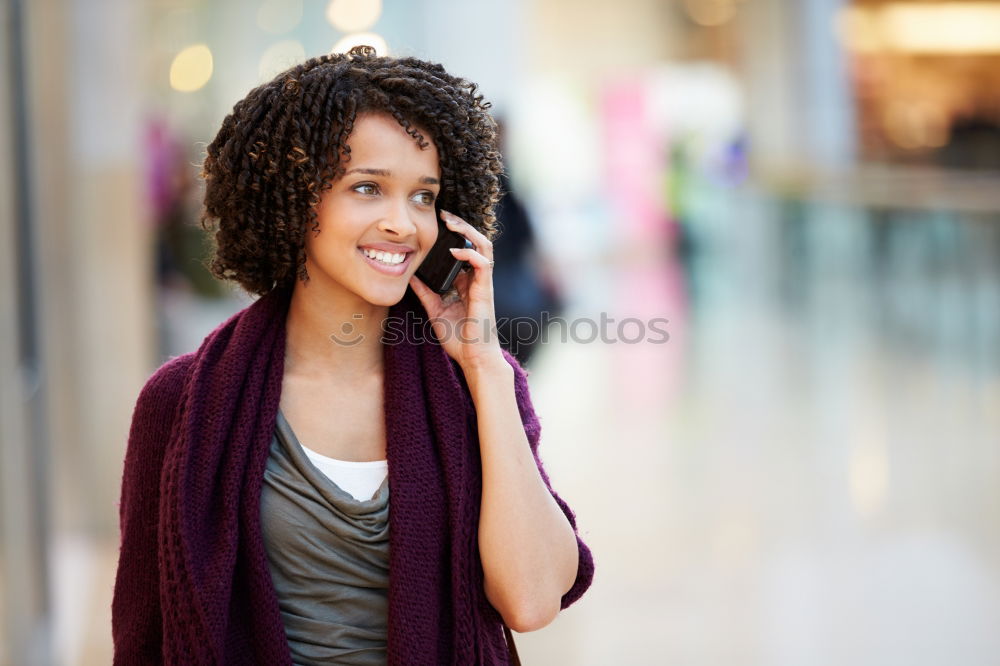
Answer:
(457, 224)
(418, 285)
(473, 257)
(434, 302)
(431, 300)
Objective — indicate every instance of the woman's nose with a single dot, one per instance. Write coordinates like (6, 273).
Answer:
(398, 219)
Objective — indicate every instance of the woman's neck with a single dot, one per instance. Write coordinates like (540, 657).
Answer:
(329, 336)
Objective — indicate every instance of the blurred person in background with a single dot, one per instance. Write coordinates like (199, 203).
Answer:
(255, 514)
(974, 141)
(173, 196)
(524, 286)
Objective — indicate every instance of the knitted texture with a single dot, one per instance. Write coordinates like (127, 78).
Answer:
(193, 584)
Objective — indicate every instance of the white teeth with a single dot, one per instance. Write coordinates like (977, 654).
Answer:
(385, 257)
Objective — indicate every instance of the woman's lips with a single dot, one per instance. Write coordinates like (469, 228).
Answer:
(387, 269)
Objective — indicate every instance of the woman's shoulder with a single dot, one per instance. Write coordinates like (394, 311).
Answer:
(169, 377)
(152, 422)
(159, 396)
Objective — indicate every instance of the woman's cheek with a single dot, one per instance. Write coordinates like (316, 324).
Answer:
(431, 230)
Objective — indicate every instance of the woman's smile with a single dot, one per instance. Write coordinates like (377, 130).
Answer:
(388, 263)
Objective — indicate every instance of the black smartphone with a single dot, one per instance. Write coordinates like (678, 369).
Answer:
(440, 267)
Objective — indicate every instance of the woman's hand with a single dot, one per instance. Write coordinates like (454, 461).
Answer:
(466, 326)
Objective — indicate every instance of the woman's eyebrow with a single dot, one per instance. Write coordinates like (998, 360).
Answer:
(385, 173)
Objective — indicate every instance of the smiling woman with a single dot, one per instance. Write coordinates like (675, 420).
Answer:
(305, 488)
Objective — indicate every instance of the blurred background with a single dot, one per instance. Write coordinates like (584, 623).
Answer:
(771, 229)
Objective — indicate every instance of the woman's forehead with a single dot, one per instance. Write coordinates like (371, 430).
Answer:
(379, 142)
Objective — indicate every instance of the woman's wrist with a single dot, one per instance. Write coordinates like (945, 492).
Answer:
(487, 369)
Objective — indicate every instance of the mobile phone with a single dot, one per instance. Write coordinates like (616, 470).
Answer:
(440, 267)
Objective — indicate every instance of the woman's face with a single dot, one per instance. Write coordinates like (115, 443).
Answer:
(384, 203)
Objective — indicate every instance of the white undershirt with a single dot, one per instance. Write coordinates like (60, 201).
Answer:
(358, 479)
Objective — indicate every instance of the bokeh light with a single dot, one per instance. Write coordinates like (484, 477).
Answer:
(353, 15)
(928, 28)
(710, 13)
(915, 125)
(191, 68)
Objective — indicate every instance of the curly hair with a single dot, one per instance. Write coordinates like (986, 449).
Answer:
(285, 143)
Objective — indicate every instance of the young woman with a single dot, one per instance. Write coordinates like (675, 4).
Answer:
(346, 471)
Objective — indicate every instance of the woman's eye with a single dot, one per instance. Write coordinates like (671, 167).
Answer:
(425, 198)
(366, 188)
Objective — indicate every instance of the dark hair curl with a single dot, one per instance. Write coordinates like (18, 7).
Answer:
(285, 143)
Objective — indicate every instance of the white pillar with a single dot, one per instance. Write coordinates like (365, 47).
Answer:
(95, 290)
(111, 234)
(800, 104)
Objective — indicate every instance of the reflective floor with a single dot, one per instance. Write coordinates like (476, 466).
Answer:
(806, 472)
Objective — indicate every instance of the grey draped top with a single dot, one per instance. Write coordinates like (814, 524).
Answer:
(329, 558)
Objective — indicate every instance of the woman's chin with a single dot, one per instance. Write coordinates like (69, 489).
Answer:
(386, 297)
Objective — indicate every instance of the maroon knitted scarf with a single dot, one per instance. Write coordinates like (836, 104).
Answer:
(213, 594)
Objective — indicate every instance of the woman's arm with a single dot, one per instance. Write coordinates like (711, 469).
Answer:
(533, 562)
(136, 620)
(527, 545)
